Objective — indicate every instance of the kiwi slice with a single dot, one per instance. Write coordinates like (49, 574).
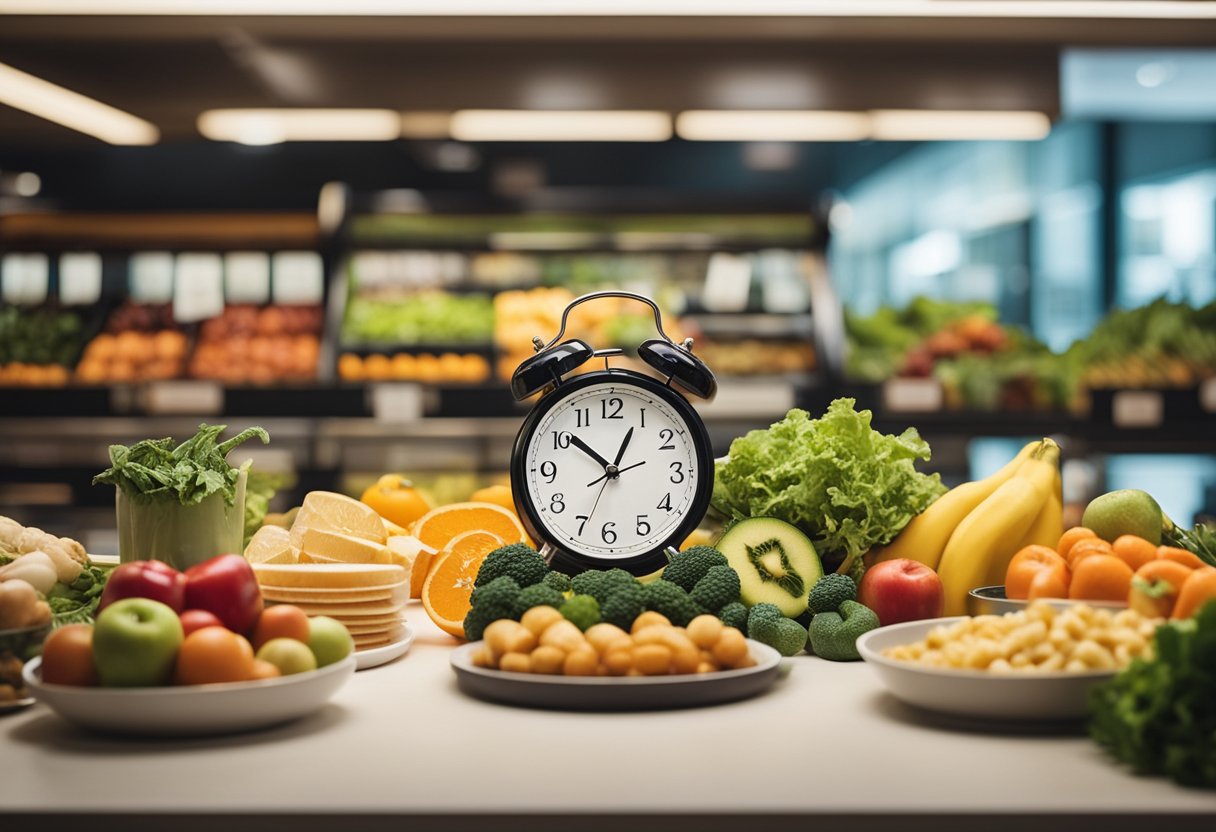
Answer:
(777, 564)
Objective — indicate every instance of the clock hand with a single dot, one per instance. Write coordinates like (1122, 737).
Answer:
(624, 444)
(585, 448)
(619, 472)
(591, 513)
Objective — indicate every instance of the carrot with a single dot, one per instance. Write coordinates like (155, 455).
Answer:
(1199, 589)
(1182, 556)
(1155, 587)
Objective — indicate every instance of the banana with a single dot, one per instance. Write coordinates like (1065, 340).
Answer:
(990, 535)
(925, 537)
(1044, 531)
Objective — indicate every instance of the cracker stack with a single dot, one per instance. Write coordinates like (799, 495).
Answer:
(368, 598)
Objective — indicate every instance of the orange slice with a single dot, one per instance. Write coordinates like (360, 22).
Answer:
(445, 595)
(439, 527)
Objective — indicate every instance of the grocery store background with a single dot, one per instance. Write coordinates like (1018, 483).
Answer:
(347, 221)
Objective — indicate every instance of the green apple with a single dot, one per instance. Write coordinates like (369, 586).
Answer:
(329, 640)
(135, 643)
(288, 655)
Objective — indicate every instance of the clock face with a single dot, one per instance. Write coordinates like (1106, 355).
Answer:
(611, 471)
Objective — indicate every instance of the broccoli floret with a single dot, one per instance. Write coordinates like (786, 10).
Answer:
(833, 635)
(498, 596)
(537, 595)
(767, 625)
(623, 606)
(600, 584)
(734, 615)
(582, 610)
(719, 587)
(476, 621)
(557, 581)
(687, 568)
(670, 600)
(830, 592)
(518, 561)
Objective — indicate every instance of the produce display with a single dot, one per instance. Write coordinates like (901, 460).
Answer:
(425, 317)
(38, 346)
(754, 356)
(447, 368)
(259, 345)
(140, 342)
(157, 626)
(1039, 639)
(44, 578)
(1162, 344)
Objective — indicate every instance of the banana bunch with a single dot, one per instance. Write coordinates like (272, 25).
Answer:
(971, 532)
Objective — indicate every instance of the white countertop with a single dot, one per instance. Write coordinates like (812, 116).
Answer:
(402, 740)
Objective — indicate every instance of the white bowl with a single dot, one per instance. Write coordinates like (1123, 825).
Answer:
(991, 600)
(192, 709)
(975, 693)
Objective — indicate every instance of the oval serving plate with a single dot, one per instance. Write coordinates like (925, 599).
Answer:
(975, 693)
(193, 709)
(616, 693)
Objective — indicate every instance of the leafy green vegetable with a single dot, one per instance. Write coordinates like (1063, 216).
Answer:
(156, 470)
(1159, 715)
(260, 488)
(76, 603)
(1200, 541)
(843, 484)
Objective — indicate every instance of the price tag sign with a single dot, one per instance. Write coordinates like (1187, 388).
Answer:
(728, 283)
(179, 398)
(151, 277)
(912, 395)
(80, 278)
(25, 278)
(396, 403)
(247, 277)
(1207, 395)
(746, 400)
(198, 291)
(299, 278)
(1137, 409)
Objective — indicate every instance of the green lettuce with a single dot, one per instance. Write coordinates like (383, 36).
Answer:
(156, 469)
(845, 485)
(75, 603)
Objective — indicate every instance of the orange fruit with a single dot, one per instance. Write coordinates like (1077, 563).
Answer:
(1135, 551)
(397, 500)
(1025, 567)
(1086, 548)
(1070, 538)
(499, 495)
(446, 592)
(1049, 583)
(437, 528)
(1098, 577)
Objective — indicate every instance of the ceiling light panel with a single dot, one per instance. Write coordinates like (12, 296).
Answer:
(772, 125)
(272, 126)
(71, 109)
(958, 125)
(560, 126)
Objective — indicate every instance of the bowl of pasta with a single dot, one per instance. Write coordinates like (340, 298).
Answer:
(1038, 663)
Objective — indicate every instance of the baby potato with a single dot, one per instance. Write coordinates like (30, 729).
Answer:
(704, 630)
(652, 659)
(516, 663)
(582, 662)
(548, 659)
(603, 634)
(707, 667)
(731, 647)
(685, 659)
(507, 636)
(654, 634)
(483, 657)
(538, 619)
(618, 661)
(563, 635)
(649, 619)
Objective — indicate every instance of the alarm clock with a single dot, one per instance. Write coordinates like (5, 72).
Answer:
(611, 467)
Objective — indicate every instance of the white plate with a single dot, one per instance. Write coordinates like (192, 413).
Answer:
(975, 693)
(616, 693)
(194, 709)
(377, 656)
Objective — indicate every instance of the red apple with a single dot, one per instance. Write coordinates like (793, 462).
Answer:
(145, 579)
(198, 619)
(901, 590)
(227, 587)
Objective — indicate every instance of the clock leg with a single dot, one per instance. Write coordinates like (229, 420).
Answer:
(547, 552)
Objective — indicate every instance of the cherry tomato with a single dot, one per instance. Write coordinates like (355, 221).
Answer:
(67, 656)
(212, 655)
(280, 621)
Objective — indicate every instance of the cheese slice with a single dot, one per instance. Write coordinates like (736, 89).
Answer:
(342, 548)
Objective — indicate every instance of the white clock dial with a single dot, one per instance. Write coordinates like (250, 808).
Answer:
(611, 471)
